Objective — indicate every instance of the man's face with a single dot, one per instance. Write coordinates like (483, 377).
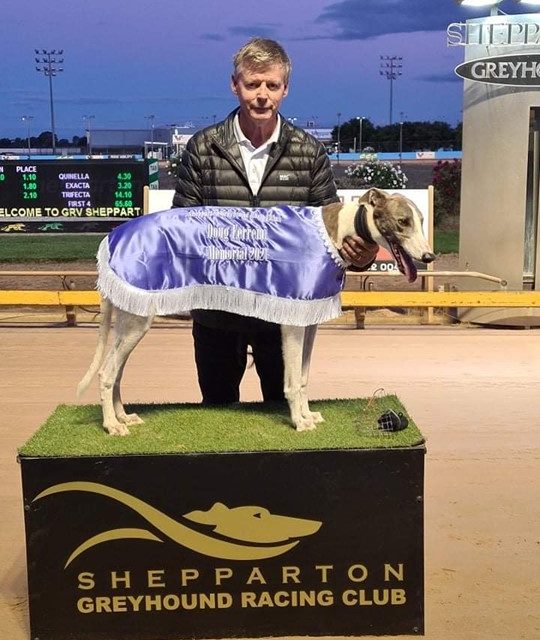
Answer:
(260, 92)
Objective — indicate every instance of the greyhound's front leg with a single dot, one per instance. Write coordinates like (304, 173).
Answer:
(309, 339)
(119, 410)
(293, 347)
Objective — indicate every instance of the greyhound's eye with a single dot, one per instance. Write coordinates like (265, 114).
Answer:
(404, 222)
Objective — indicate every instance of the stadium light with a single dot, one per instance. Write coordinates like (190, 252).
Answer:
(360, 120)
(150, 119)
(28, 121)
(391, 68)
(401, 138)
(338, 134)
(88, 122)
(49, 68)
(493, 4)
(479, 3)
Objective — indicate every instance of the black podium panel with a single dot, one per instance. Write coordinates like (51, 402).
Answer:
(225, 545)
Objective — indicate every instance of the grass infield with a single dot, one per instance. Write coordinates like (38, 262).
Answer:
(46, 248)
(76, 431)
(446, 241)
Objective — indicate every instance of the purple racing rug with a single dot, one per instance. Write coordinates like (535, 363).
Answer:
(277, 264)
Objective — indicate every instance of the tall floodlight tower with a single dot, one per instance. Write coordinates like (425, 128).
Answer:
(88, 127)
(151, 119)
(391, 68)
(360, 121)
(28, 121)
(48, 65)
(338, 135)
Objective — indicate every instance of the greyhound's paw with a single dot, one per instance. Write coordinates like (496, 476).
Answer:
(131, 418)
(316, 417)
(116, 429)
(305, 424)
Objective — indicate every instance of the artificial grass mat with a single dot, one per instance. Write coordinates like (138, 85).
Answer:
(73, 430)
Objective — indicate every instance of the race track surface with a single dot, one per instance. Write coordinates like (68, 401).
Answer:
(473, 392)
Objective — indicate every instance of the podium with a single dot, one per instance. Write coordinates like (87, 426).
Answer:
(321, 537)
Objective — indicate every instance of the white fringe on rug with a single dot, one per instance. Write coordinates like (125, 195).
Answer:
(139, 302)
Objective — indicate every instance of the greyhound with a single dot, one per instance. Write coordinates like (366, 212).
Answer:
(392, 221)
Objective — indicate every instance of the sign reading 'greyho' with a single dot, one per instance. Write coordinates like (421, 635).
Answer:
(519, 70)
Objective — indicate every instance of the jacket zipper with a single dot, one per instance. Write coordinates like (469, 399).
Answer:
(254, 200)
(274, 157)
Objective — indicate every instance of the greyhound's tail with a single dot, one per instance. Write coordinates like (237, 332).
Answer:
(104, 329)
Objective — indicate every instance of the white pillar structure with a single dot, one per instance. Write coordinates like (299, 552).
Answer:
(500, 225)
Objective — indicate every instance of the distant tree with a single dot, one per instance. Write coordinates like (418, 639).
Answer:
(458, 135)
(44, 140)
(416, 136)
(349, 133)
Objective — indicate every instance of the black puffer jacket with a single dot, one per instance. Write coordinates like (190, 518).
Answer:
(212, 172)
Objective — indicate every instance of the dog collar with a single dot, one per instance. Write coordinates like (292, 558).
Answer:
(360, 224)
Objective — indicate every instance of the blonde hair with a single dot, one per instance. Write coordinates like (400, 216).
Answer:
(259, 53)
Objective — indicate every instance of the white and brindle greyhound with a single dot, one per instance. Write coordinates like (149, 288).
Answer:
(392, 221)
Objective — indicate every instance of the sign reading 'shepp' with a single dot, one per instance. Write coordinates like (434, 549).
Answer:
(519, 70)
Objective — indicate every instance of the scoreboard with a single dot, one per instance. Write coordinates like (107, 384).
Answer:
(63, 196)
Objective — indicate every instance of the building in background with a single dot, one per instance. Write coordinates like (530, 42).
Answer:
(157, 143)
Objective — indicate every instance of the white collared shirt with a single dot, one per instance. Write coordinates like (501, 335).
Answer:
(255, 159)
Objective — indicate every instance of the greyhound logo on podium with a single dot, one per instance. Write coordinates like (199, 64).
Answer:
(239, 525)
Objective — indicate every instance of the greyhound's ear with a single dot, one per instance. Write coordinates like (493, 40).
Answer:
(375, 197)
(207, 517)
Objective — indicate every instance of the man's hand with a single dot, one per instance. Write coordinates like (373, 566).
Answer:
(358, 251)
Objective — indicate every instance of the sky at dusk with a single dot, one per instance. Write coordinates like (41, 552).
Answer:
(127, 59)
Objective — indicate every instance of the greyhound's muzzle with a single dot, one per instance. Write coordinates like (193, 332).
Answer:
(428, 257)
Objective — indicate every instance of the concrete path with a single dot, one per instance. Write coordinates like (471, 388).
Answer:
(474, 393)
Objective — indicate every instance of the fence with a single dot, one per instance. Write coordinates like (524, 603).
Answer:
(71, 298)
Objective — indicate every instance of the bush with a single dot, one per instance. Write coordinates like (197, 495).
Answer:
(383, 175)
(447, 186)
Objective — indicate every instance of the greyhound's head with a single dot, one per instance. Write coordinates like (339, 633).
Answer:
(394, 222)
